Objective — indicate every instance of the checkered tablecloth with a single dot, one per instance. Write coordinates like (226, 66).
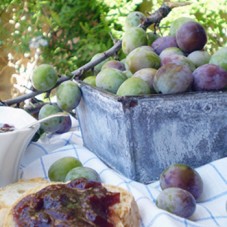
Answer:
(210, 211)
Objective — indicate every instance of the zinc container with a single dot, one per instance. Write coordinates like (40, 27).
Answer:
(140, 136)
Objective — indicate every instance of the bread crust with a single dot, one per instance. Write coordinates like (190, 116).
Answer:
(124, 214)
(127, 210)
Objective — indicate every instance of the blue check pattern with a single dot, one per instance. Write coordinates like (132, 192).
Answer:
(210, 210)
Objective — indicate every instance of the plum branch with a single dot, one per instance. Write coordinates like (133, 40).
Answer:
(154, 18)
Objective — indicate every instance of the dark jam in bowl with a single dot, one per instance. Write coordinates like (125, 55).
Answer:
(6, 128)
(80, 203)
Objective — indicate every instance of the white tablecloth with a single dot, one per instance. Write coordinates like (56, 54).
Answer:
(210, 211)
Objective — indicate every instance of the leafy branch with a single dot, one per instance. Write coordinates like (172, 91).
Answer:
(153, 19)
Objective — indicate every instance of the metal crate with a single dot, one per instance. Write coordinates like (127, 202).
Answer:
(141, 136)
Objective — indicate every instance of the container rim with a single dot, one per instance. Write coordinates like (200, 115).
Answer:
(153, 97)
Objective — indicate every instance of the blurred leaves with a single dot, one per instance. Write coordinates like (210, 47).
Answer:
(74, 30)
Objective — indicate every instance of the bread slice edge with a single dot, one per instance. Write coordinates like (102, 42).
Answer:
(124, 214)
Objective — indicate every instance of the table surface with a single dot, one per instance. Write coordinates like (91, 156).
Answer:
(210, 210)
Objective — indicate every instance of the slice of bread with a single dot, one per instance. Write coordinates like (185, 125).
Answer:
(11, 193)
(123, 214)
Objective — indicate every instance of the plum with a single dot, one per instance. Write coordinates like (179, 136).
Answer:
(110, 79)
(172, 79)
(209, 77)
(199, 57)
(65, 125)
(133, 38)
(178, 60)
(164, 42)
(177, 201)
(171, 51)
(53, 124)
(82, 172)
(134, 86)
(191, 36)
(68, 95)
(134, 19)
(177, 23)
(44, 77)
(184, 177)
(90, 80)
(142, 57)
(59, 168)
(114, 64)
(146, 74)
(220, 58)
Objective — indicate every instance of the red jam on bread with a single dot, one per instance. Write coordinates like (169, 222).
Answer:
(77, 203)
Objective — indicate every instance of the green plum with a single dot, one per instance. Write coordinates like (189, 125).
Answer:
(134, 86)
(146, 74)
(82, 172)
(134, 19)
(199, 57)
(142, 57)
(219, 58)
(90, 80)
(68, 95)
(133, 38)
(59, 169)
(110, 79)
(44, 77)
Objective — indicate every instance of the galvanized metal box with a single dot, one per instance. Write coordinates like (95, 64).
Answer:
(140, 136)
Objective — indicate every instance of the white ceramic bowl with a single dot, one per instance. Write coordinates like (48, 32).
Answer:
(14, 143)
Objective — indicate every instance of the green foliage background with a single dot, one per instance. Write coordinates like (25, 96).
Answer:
(75, 30)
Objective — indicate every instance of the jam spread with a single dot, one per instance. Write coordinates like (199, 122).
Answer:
(6, 127)
(80, 203)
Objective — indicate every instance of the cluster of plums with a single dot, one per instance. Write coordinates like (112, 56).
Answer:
(68, 95)
(69, 168)
(153, 64)
(169, 64)
(181, 187)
